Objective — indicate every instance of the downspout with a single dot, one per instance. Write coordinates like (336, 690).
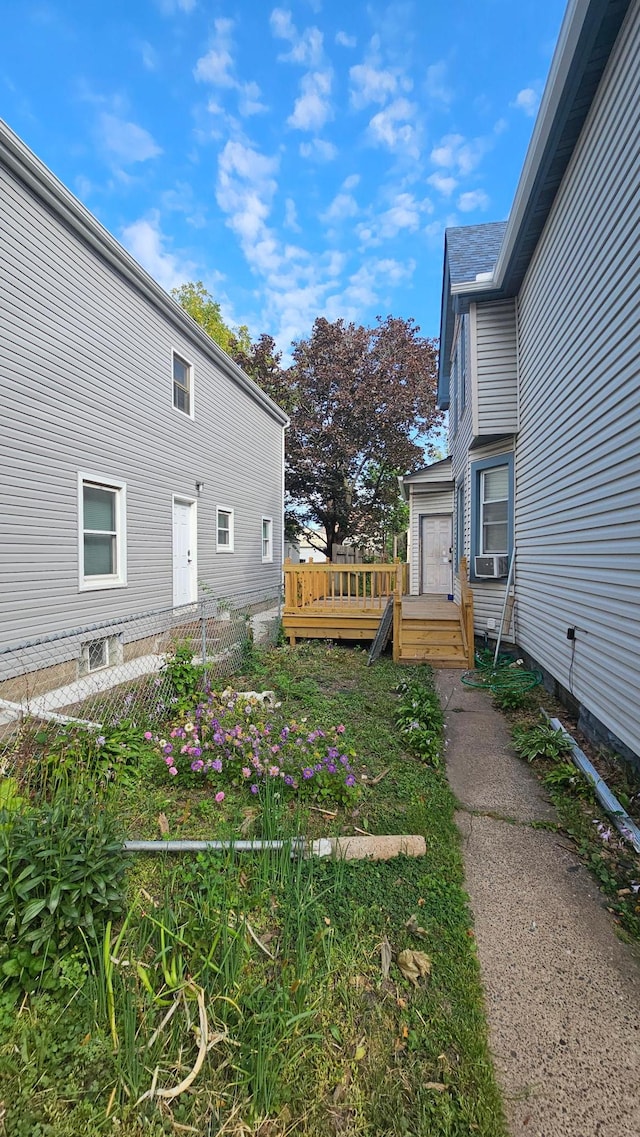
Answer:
(623, 823)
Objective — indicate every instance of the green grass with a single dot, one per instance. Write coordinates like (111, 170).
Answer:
(313, 1038)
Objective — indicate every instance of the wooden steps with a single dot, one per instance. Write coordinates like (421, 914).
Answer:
(440, 643)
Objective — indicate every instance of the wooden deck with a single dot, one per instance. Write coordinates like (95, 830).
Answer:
(347, 603)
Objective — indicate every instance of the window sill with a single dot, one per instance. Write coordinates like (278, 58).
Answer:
(100, 585)
(224, 549)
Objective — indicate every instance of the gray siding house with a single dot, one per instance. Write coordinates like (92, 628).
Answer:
(540, 372)
(140, 465)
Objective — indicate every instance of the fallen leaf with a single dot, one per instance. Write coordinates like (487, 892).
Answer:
(399, 1045)
(439, 1086)
(405, 1031)
(415, 928)
(327, 920)
(163, 824)
(359, 1053)
(360, 982)
(402, 1003)
(414, 965)
(421, 902)
(386, 954)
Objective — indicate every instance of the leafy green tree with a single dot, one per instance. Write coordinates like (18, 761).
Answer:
(200, 305)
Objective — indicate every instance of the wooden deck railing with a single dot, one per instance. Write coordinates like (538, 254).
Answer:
(328, 587)
(466, 611)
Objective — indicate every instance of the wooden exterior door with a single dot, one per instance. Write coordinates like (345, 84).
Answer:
(436, 535)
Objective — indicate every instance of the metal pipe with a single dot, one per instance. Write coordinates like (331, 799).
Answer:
(297, 844)
(623, 823)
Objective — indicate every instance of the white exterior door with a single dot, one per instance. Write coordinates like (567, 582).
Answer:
(436, 536)
(184, 552)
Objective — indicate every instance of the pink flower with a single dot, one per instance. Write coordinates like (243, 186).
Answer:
(340, 729)
(246, 772)
(148, 735)
(219, 796)
(172, 771)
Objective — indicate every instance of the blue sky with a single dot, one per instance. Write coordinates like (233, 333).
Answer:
(302, 159)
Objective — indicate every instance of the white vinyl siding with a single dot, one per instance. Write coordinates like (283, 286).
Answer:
(84, 354)
(495, 391)
(224, 529)
(102, 537)
(578, 470)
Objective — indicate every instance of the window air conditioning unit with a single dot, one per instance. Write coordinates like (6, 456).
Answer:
(491, 568)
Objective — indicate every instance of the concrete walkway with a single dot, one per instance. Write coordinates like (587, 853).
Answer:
(562, 991)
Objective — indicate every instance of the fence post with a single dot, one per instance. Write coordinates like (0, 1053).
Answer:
(203, 631)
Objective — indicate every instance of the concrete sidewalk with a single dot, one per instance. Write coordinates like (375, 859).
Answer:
(562, 991)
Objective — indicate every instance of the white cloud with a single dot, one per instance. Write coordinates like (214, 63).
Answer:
(443, 183)
(146, 243)
(351, 182)
(527, 100)
(318, 150)
(474, 199)
(455, 152)
(366, 284)
(215, 67)
(436, 85)
(291, 216)
(306, 47)
(126, 141)
(344, 205)
(245, 190)
(149, 56)
(170, 7)
(249, 101)
(370, 84)
(391, 128)
(312, 108)
(403, 215)
(344, 40)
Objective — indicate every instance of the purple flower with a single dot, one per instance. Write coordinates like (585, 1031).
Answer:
(100, 740)
(307, 773)
(350, 780)
(254, 789)
(332, 752)
(217, 765)
(288, 780)
(344, 760)
(168, 749)
(331, 769)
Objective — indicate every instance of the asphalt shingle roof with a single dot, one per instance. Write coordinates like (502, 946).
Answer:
(473, 249)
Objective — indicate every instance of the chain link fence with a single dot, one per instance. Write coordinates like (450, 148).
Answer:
(105, 673)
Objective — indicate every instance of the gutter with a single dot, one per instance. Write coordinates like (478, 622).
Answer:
(22, 162)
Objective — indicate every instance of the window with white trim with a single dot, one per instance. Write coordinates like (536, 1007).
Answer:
(494, 510)
(182, 385)
(267, 540)
(102, 533)
(224, 530)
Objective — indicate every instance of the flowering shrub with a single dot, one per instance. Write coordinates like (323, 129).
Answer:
(227, 739)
